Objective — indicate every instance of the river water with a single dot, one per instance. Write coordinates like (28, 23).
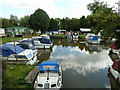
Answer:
(83, 65)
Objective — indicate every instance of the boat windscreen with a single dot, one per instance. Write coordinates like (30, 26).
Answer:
(44, 40)
(29, 55)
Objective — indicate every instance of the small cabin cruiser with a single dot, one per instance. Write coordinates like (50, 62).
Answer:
(94, 39)
(50, 76)
(114, 69)
(75, 35)
(14, 52)
(44, 35)
(87, 37)
(42, 42)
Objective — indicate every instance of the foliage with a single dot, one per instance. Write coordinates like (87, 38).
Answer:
(14, 21)
(24, 21)
(103, 18)
(53, 24)
(39, 20)
(5, 22)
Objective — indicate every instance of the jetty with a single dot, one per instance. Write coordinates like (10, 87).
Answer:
(32, 75)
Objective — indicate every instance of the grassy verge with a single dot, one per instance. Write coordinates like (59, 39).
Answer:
(60, 35)
(14, 75)
(82, 36)
(11, 39)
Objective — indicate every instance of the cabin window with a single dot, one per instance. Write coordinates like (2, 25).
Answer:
(29, 55)
(21, 56)
(53, 85)
(44, 40)
(40, 85)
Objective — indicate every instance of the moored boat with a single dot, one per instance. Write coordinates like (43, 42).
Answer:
(42, 42)
(114, 69)
(50, 75)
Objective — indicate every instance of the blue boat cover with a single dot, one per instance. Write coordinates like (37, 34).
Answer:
(49, 66)
(8, 49)
(94, 37)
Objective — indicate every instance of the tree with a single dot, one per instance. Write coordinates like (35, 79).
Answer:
(13, 22)
(24, 21)
(53, 24)
(5, 23)
(103, 17)
(39, 20)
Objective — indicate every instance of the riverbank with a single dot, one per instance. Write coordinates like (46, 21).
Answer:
(13, 75)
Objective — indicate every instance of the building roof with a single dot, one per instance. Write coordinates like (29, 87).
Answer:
(49, 66)
(85, 29)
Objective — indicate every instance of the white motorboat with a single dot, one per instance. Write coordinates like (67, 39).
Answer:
(75, 35)
(42, 42)
(50, 76)
(16, 53)
(114, 69)
(95, 39)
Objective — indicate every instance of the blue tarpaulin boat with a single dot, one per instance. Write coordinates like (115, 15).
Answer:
(49, 66)
(8, 49)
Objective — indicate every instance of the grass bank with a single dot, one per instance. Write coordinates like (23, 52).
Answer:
(14, 75)
(11, 39)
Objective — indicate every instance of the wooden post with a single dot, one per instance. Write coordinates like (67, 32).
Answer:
(15, 52)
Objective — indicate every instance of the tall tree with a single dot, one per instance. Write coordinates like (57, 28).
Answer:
(53, 24)
(24, 21)
(5, 23)
(14, 21)
(39, 20)
(103, 17)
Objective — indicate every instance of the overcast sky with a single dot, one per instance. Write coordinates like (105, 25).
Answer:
(54, 8)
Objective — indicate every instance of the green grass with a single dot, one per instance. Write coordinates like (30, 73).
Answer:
(14, 76)
(11, 39)
(60, 35)
(82, 36)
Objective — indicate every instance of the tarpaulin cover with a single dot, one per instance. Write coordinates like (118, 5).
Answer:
(8, 49)
(49, 66)
(94, 37)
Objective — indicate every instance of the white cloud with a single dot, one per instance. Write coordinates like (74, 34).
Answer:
(84, 62)
(31, 5)
(54, 8)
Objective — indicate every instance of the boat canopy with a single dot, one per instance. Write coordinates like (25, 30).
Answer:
(95, 37)
(8, 49)
(49, 66)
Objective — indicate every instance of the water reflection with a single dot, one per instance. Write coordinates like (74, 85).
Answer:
(80, 60)
(83, 65)
(44, 54)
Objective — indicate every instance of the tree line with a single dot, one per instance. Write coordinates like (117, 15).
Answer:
(51, 24)
(102, 17)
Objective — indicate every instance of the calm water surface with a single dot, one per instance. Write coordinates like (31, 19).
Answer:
(83, 65)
